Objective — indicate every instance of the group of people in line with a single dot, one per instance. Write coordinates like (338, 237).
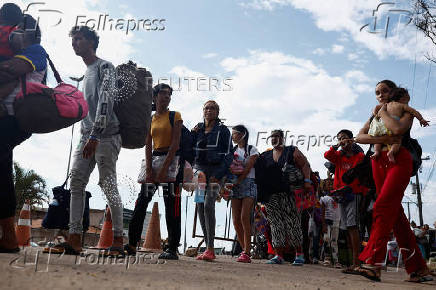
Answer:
(280, 178)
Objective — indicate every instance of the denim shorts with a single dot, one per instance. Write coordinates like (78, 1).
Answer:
(247, 188)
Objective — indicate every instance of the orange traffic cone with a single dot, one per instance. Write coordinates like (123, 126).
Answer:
(106, 234)
(24, 226)
(152, 238)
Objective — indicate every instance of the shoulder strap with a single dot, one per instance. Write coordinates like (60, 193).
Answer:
(55, 72)
(289, 153)
(249, 149)
(172, 116)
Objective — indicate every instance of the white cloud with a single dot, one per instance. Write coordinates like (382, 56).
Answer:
(349, 16)
(336, 48)
(352, 56)
(209, 55)
(319, 51)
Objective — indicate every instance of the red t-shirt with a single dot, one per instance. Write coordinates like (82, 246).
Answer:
(5, 49)
(343, 164)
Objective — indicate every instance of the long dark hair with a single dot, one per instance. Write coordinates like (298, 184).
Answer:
(389, 83)
(243, 130)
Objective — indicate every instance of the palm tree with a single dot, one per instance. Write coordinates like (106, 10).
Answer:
(29, 186)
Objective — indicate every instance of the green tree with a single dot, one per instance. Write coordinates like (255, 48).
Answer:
(29, 186)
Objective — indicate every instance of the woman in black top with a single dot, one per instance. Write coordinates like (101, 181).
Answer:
(213, 156)
(282, 213)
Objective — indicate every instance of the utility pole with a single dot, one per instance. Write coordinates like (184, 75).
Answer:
(417, 190)
(418, 196)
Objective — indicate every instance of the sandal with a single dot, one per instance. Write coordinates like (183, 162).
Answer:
(129, 250)
(352, 270)
(370, 273)
(113, 251)
(62, 248)
(417, 278)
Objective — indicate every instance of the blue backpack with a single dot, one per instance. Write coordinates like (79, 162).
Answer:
(186, 148)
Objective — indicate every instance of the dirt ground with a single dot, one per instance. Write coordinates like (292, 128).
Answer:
(19, 271)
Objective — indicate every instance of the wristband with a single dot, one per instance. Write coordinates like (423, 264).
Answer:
(306, 180)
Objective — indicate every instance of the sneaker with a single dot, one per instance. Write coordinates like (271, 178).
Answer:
(315, 261)
(244, 258)
(169, 255)
(208, 256)
(326, 263)
(338, 265)
(200, 257)
(299, 260)
(275, 260)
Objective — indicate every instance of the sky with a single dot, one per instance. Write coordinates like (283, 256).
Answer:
(307, 67)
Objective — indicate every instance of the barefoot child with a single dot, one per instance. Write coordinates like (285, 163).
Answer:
(396, 107)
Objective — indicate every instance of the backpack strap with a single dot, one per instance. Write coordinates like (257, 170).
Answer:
(249, 149)
(172, 116)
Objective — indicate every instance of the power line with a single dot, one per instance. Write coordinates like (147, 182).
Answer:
(430, 174)
(414, 66)
(428, 83)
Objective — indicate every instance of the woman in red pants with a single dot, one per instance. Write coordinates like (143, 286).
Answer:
(391, 180)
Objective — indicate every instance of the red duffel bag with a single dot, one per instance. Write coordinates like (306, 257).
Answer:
(40, 109)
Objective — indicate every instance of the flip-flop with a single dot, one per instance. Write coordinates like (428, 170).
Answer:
(62, 248)
(117, 252)
(9, 251)
(373, 276)
(415, 278)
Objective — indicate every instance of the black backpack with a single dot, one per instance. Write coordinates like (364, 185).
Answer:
(133, 104)
(415, 151)
(58, 214)
(186, 148)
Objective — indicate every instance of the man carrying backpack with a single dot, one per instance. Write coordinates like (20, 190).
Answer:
(100, 143)
(163, 155)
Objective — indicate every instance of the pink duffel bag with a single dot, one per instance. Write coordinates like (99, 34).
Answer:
(40, 109)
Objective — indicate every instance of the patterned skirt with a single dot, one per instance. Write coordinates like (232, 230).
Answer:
(284, 220)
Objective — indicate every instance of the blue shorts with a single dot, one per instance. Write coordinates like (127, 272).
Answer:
(247, 188)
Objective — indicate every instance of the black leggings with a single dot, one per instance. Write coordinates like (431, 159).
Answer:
(172, 199)
(10, 136)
